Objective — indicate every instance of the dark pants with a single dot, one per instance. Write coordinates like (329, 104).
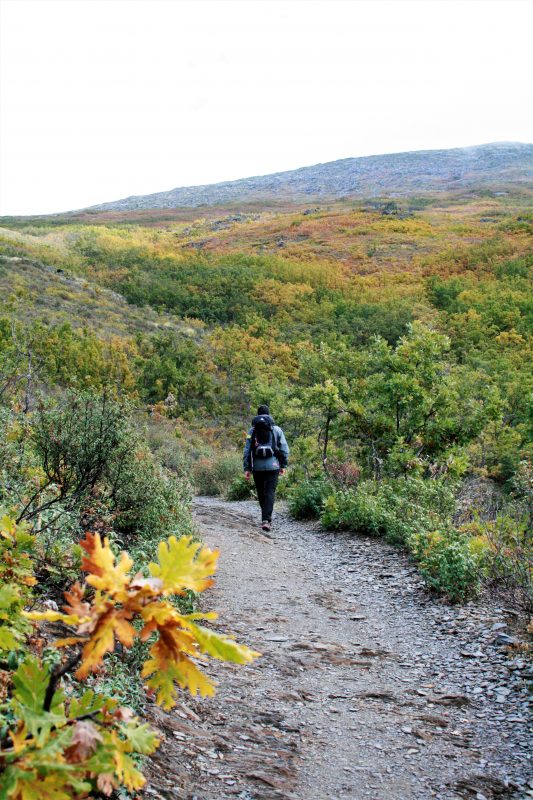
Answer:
(265, 483)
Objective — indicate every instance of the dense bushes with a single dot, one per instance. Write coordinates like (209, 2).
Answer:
(175, 368)
(88, 447)
(146, 499)
(396, 508)
(420, 515)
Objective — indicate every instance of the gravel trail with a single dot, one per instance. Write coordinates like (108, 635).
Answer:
(367, 686)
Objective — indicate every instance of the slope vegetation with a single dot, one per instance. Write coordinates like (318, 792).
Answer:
(391, 337)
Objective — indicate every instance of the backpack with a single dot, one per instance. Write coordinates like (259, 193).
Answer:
(263, 437)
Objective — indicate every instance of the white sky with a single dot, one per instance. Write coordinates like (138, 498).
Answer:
(101, 99)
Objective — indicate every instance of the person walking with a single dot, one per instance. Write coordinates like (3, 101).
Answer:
(266, 455)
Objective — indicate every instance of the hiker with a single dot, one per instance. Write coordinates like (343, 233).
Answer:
(266, 455)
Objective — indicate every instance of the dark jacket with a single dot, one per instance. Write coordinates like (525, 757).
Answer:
(278, 461)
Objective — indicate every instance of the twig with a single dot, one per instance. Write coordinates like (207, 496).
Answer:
(55, 677)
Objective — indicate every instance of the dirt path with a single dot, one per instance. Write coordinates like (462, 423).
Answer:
(367, 688)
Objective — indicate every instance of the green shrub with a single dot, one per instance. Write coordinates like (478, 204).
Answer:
(394, 508)
(176, 369)
(357, 510)
(306, 499)
(213, 476)
(149, 502)
(448, 564)
(240, 489)
(83, 441)
(90, 452)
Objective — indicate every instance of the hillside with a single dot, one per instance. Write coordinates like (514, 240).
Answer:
(391, 337)
(398, 174)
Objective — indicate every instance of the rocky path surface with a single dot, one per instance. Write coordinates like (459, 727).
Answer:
(367, 686)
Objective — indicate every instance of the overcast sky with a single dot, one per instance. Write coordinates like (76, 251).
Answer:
(101, 99)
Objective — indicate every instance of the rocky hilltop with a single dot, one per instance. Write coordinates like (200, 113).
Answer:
(398, 174)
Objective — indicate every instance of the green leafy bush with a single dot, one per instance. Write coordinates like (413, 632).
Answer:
(306, 499)
(408, 513)
(448, 564)
(358, 511)
(240, 489)
(82, 442)
(90, 451)
(147, 500)
(394, 508)
(176, 369)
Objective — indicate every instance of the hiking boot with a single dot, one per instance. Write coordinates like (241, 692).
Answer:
(266, 525)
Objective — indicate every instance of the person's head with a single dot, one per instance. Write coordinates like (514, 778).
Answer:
(263, 410)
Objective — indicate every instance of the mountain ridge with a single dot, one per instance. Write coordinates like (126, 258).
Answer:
(392, 174)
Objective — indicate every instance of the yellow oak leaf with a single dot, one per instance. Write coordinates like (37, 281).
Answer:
(160, 612)
(220, 646)
(105, 574)
(182, 672)
(125, 768)
(69, 641)
(184, 564)
(31, 786)
(55, 616)
(172, 641)
(19, 738)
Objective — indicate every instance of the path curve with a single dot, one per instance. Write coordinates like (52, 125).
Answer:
(367, 687)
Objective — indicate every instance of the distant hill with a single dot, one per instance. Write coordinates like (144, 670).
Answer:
(398, 174)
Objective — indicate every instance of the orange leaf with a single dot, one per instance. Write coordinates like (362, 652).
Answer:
(75, 603)
(70, 640)
(114, 622)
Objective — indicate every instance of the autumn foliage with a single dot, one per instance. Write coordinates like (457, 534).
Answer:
(57, 746)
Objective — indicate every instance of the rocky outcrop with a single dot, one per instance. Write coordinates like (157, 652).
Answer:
(399, 174)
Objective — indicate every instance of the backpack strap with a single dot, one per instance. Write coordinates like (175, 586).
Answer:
(251, 438)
